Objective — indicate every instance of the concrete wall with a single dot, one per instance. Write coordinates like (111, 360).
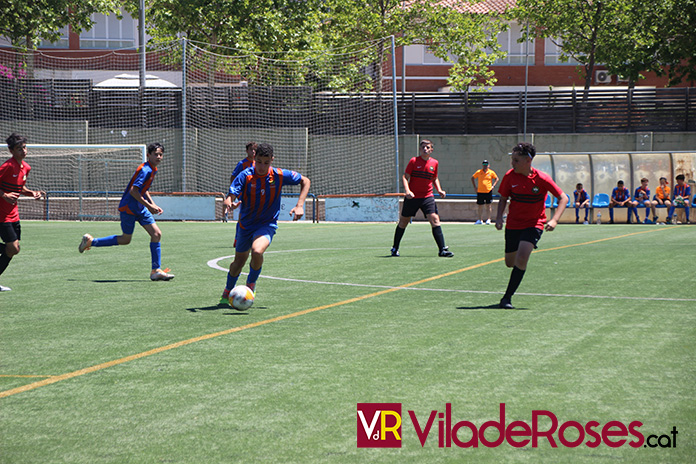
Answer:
(460, 156)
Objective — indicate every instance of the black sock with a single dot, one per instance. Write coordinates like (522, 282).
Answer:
(439, 238)
(4, 261)
(515, 279)
(398, 234)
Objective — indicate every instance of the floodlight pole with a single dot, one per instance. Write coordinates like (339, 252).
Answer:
(526, 77)
(396, 111)
(141, 35)
(183, 114)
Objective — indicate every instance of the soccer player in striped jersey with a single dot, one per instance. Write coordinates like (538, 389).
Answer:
(13, 177)
(242, 165)
(620, 196)
(681, 197)
(137, 205)
(418, 179)
(526, 188)
(257, 189)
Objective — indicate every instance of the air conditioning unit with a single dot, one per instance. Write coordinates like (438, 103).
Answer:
(602, 77)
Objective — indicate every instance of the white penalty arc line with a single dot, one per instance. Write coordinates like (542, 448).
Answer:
(213, 263)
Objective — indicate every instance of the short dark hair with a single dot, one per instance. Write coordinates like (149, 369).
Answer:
(525, 149)
(15, 139)
(425, 142)
(620, 182)
(153, 147)
(264, 149)
(251, 145)
(680, 177)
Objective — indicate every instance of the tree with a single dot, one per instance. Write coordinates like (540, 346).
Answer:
(27, 22)
(629, 37)
(469, 40)
(259, 25)
(581, 28)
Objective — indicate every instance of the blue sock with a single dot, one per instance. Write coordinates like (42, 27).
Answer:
(611, 213)
(671, 211)
(111, 240)
(686, 211)
(647, 212)
(231, 281)
(253, 275)
(156, 254)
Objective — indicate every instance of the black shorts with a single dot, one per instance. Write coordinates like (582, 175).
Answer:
(513, 237)
(482, 198)
(10, 232)
(412, 205)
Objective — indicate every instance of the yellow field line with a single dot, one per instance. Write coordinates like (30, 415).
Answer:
(98, 367)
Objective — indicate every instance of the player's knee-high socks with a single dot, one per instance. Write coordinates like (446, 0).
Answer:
(611, 213)
(156, 254)
(515, 280)
(398, 234)
(231, 283)
(111, 240)
(4, 259)
(253, 277)
(439, 238)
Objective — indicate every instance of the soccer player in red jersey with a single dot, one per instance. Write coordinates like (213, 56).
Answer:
(13, 177)
(418, 180)
(526, 188)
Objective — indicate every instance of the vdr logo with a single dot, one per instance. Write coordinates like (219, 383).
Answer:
(379, 425)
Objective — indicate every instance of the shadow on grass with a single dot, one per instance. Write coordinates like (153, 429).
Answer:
(492, 306)
(227, 310)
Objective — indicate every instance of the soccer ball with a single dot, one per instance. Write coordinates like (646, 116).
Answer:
(241, 298)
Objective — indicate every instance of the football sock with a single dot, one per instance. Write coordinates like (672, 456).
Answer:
(4, 261)
(226, 293)
(253, 276)
(587, 211)
(156, 254)
(647, 212)
(111, 240)
(515, 279)
(686, 213)
(231, 282)
(439, 238)
(577, 213)
(398, 234)
(611, 213)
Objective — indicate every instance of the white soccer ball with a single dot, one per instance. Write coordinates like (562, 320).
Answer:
(241, 297)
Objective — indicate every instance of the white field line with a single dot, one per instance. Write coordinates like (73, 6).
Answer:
(213, 263)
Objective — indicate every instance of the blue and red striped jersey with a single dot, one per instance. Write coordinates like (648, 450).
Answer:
(260, 195)
(142, 179)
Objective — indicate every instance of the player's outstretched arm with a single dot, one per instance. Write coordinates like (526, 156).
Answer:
(298, 211)
(502, 203)
(562, 203)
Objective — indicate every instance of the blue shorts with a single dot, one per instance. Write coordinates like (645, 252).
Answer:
(128, 221)
(245, 237)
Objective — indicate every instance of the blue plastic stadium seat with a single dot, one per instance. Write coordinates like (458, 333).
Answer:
(601, 200)
(549, 201)
(569, 205)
